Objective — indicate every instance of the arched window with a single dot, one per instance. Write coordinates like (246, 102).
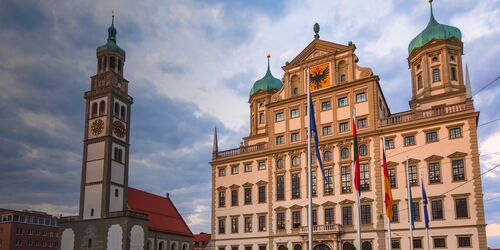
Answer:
(102, 107)
(282, 247)
(184, 247)
(99, 64)
(148, 245)
(117, 193)
(172, 246)
(321, 247)
(122, 112)
(363, 150)
(348, 246)
(120, 69)
(91, 212)
(327, 155)
(366, 246)
(94, 109)
(160, 246)
(295, 91)
(89, 244)
(104, 63)
(112, 62)
(117, 109)
(297, 247)
(435, 75)
(295, 161)
(342, 78)
(344, 153)
(280, 164)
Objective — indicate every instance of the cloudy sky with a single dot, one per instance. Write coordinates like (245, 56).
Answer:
(191, 65)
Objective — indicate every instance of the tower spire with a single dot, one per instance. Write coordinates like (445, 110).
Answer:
(215, 147)
(112, 17)
(468, 89)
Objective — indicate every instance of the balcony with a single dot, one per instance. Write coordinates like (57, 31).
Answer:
(410, 116)
(333, 228)
(240, 150)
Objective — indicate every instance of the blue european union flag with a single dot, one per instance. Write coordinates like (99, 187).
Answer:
(314, 133)
(425, 202)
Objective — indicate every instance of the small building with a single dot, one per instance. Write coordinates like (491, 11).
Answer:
(201, 241)
(28, 230)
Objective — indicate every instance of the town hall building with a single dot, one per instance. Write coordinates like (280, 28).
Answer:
(259, 189)
(113, 215)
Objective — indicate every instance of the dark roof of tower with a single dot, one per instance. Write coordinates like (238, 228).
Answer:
(266, 83)
(111, 42)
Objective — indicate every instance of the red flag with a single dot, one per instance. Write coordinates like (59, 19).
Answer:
(387, 187)
(356, 156)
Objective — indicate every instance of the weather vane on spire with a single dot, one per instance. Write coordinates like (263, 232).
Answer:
(112, 16)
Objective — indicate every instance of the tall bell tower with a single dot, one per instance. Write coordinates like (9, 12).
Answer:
(106, 137)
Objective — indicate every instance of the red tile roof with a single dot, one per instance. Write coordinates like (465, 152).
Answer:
(201, 237)
(163, 216)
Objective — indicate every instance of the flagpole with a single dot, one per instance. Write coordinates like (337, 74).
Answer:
(389, 245)
(309, 172)
(357, 191)
(424, 199)
(410, 213)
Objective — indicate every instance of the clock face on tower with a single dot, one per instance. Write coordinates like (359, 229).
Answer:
(97, 127)
(119, 129)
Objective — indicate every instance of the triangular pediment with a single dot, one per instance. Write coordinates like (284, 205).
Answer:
(261, 183)
(295, 207)
(433, 158)
(346, 202)
(221, 188)
(280, 208)
(328, 204)
(247, 184)
(411, 161)
(457, 155)
(391, 164)
(316, 48)
(234, 186)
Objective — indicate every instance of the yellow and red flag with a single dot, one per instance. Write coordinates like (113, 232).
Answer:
(387, 187)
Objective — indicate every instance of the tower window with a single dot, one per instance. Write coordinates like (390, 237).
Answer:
(453, 74)
(118, 155)
(102, 107)
(112, 62)
(104, 63)
(452, 58)
(122, 113)
(261, 118)
(117, 192)
(91, 212)
(434, 59)
(94, 109)
(435, 75)
(419, 82)
(120, 66)
(117, 109)
(342, 78)
(99, 64)
(295, 91)
(418, 67)
(89, 243)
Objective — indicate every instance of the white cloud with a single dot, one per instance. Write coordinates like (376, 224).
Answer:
(489, 150)
(493, 230)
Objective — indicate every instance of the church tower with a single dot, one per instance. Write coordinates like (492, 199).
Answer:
(106, 137)
(435, 61)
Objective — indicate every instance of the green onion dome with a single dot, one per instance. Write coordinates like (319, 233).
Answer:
(434, 30)
(266, 83)
(111, 43)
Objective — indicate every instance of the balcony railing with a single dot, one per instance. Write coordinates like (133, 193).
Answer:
(333, 228)
(422, 114)
(241, 150)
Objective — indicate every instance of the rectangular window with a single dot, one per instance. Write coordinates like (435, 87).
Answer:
(431, 137)
(234, 197)
(361, 97)
(262, 223)
(342, 102)
(262, 248)
(222, 198)
(395, 244)
(392, 177)
(416, 211)
(389, 143)
(261, 118)
(464, 241)
(366, 214)
(364, 175)
(329, 219)
(248, 224)
(457, 167)
(222, 226)
(409, 140)
(413, 175)
(295, 219)
(417, 243)
(326, 105)
(434, 173)
(234, 225)
(280, 140)
(294, 113)
(327, 130)
(294, 137)
(280, 221)
(437, 210)
(235, 169)
(222, 172)
(280, 187)
(346, 215)
(248, 247)
(345, 179)
(295, 186)
(343, 127)
(362, 123)
(395, 214)
(461, 208)
(248, 196)
(262, 194)
(455, 133)
(280, 117)
(248, 167)
(328, 183)
(262, 165)
(314, 186)
(439, 242)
